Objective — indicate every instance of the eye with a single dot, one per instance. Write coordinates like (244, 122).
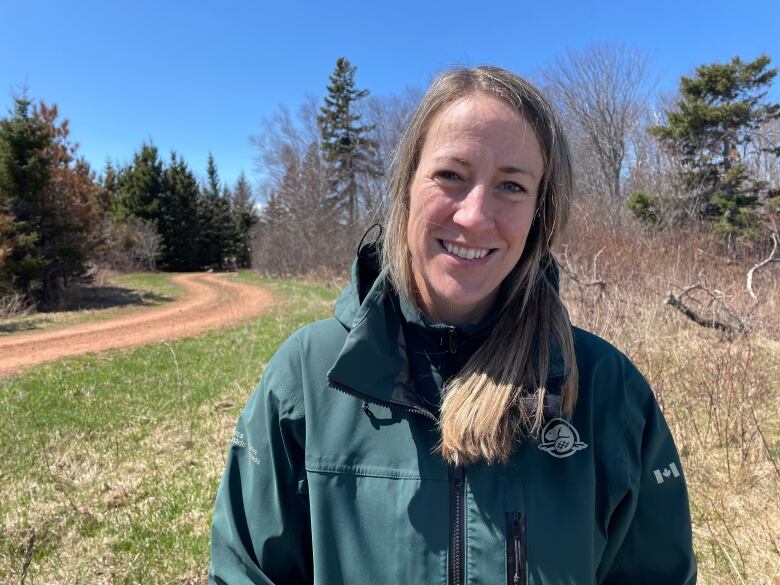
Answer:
(448, 175)
(512, 187)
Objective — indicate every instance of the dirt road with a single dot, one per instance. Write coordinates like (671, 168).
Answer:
(209, 302)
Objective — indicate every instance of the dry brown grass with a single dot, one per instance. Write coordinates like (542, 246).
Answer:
(13, 304)
(720, 393)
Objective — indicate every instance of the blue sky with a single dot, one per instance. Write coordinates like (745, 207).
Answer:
(200, 76)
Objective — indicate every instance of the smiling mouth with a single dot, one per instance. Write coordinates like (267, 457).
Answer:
(464, 252)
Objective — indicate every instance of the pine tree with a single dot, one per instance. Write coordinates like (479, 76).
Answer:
(245, 217)
(216, 229)
(709, 132)
(25, 170)
(49, 201)
(141, 185)
(109, 189)
(178, 223)
(349, 151)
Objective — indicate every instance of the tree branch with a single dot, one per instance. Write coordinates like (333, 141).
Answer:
(760, 265)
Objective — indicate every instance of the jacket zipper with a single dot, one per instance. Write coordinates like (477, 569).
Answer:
(457, 522)
(453, 339)
(456, 553)
(516, 551)
(352, 392)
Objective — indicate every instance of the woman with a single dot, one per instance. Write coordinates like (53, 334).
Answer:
(449, 425)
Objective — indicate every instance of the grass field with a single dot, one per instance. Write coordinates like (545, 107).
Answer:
(121, 294)
(112, 462)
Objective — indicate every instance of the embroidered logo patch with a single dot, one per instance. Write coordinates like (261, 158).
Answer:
(560, 439)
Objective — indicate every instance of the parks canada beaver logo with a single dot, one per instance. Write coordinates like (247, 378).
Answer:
(560, 438)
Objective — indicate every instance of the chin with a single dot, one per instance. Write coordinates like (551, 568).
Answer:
(465, 298)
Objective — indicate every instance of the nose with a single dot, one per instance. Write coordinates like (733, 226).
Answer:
(474, 212)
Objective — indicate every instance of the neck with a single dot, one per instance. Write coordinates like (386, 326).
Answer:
(443, 311)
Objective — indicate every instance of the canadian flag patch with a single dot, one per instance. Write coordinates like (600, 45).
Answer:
(661, 475)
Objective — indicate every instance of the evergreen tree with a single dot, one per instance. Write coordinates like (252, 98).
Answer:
(25, 169)
(178, 220)
(141, 185)
(49, 201)
(212, 177)
(245, 217)
(216, 230)
(109, 189)
(714, 123)
(347, 147)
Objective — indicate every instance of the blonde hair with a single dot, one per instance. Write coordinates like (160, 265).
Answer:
(499, 395)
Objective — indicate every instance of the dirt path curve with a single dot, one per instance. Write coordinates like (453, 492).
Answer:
(209, 302)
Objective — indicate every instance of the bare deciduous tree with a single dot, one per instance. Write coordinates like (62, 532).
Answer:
(299, 229)
(600, 93)
(133, 244)
(389, 117)
(761, 155)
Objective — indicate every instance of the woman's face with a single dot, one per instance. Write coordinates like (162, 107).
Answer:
(472, 203)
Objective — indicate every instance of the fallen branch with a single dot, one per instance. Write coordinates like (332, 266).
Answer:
(711, 323)
(695, 317)
(770, 258)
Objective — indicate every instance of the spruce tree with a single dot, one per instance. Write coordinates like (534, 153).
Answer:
(178, 217)
(25, 170)
(216, 230)
(141, 185)
(48, 202)
(347, 147)
(245, 217)
(717, 113)
(109, 189)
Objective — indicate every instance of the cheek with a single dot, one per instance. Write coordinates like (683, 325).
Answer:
(427, 212)
(515, 227)
(437, 210)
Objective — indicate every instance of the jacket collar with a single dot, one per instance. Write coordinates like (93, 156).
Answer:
(372, 364)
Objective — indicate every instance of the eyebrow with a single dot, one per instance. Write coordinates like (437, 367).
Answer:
(506, 169)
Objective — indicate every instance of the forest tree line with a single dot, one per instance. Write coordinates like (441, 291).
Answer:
(707, 156)
(58, 218)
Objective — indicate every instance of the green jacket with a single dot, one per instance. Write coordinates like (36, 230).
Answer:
(332, 475)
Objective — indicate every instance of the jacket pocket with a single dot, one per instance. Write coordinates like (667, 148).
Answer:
(516, 549)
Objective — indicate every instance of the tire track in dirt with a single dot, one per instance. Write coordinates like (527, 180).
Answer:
(209, 302)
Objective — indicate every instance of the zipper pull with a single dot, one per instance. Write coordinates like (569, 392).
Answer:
(453, 334)
(516, 548)
(367, 410)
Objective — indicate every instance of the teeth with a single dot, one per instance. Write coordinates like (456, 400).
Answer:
(467, 253)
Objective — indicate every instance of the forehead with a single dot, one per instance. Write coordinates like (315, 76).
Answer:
(478, 124)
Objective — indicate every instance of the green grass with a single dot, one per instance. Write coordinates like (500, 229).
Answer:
(127, 292)
(153, 283)
(114, 459)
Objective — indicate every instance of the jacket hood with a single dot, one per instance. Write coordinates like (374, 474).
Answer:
(364, 274)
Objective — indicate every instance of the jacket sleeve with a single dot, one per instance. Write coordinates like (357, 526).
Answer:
(649, 533)
(261, 529)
